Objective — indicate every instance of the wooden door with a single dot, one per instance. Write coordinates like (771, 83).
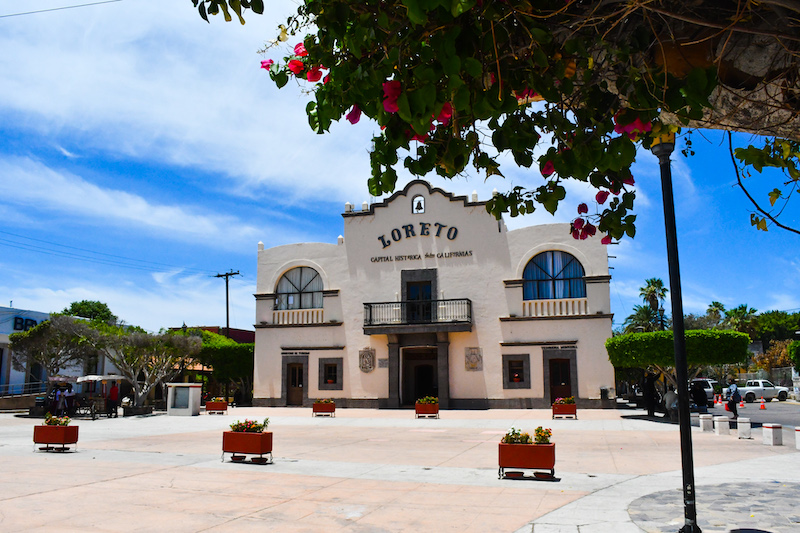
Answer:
(560, 379)
(294, 385)
(419, 302)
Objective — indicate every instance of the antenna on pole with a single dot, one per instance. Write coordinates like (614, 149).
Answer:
(227, 275)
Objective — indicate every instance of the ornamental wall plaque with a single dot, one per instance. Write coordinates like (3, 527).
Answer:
(383, 363)
(473, 359)
(366, 360)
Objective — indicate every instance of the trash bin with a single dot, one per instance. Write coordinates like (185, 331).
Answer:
(603, 393)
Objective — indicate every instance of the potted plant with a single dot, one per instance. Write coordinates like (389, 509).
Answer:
(427, 406)
(565, 407)
(248, 438)
(323, 406)
(217, 405)
(518, 450)
(55, 431)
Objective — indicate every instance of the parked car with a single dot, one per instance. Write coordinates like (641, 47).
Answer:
(708, 387)
(755, 389)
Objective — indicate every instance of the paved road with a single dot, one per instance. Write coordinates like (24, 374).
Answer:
(785, 413)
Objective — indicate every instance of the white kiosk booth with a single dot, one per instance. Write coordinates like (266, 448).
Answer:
(183, 399)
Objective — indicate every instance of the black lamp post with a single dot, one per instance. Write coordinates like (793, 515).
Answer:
(662, 148)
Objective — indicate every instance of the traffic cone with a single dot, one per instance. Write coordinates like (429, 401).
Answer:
(763, 404)
(741, 404)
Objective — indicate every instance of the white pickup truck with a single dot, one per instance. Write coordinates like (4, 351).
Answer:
(755, 389)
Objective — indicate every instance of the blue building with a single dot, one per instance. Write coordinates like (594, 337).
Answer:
(12, 321)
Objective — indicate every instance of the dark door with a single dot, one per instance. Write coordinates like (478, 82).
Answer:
(424, 384)
(419, 374)
(294, 385)
(560, 380)
(419, 302)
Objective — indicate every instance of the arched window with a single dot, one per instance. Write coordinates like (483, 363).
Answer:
(299, 288)
(552, 275)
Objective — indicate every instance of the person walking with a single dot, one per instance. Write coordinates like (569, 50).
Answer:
(733, 398)
(650, 393)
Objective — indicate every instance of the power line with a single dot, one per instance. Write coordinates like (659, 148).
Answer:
(58, 8)
(105, 259)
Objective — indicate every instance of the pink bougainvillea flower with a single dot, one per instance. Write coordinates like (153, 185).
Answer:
(300, 50)
(445, 114)
(326, 79)
(391, 92)
(354, 115)
(576, 234)
(548, 169)
(606, 240)
(267, 64)
(577, 223)
(583, 208)
(601, 197)
(296, 66)
(314, 74)
(628, 181)
(589, 230)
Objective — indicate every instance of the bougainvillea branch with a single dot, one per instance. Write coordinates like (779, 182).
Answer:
(568, 89)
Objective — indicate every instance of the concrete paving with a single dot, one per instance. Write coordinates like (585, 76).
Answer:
(385, 471)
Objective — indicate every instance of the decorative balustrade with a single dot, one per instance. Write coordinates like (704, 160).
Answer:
(287, 317)
(560, 307)
(418, 312)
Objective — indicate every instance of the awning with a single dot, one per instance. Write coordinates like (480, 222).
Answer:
(107, 377)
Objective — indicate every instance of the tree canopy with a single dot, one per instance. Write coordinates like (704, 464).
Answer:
(91, 310)
(230, 360)
(569, 88)
(657, 350)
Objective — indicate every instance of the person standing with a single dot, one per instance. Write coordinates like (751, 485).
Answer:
(112, 401)
(733, 398)
(650, 393)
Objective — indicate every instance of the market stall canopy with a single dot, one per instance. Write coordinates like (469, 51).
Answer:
(107, 377)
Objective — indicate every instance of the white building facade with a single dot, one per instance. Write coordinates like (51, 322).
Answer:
(428, 294)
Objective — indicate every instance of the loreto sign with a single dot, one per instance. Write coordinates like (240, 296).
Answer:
(421, 229)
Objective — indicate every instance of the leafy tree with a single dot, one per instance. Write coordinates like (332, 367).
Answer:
(230, 361)
(55, 344)
(772, 326)
(92, 310)
(776, 356)
(793, 350)
(568, 88)
(144, 359)
(657, 351)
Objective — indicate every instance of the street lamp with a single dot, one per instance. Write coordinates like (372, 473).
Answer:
(662, 147)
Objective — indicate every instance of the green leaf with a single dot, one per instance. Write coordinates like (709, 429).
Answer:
(774, 196)
(462, 6)
(473, 67)
(415, 13)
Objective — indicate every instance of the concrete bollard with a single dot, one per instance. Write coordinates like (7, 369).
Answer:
(707, 422)
(797, 438)
(722, 425)
(773, 434)
(743, 427)
(694, 420)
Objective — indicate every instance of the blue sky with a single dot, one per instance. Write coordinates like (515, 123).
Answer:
(143, 151)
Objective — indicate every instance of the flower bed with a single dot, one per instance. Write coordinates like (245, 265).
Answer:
(218, 406)
(427, 407)
(248, 438)
(518, 450)
(55, 434)
(323, 407)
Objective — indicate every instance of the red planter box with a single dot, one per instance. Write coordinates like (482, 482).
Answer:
(426, 409)
(565, 409)
(531, 456)
(60, 435)
(242, 443)
(323, 408)
(216, 407)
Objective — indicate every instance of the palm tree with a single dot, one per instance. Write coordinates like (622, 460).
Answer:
(653, 292)
(715, 312)
(740, 318)
(643, 319)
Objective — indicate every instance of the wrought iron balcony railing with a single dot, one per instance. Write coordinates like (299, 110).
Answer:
(418, 312)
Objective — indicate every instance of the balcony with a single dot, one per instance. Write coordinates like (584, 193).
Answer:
(297, 317)
(555, 308)
(418, 316)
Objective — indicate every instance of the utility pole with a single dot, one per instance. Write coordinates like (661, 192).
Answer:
(227, 275)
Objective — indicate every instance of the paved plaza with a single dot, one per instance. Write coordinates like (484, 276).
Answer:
(372, 470)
